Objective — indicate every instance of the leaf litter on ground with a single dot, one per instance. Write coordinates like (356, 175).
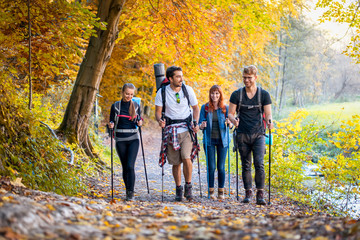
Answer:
(31, 214)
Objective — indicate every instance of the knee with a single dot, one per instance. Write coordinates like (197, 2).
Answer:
(246, 167)
(259, 167)
(130, 170)
(211, 168)
(186, 162)
(221, 169)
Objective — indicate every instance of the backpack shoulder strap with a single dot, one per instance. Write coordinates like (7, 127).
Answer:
(117, 112)
(262, 115)
(241, 90)
(183, 87)
(259, 98)
(136, 105)
(259, 95)
(206, 109)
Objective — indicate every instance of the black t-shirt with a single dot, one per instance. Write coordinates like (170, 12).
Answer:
(250, 119)
(123, 122)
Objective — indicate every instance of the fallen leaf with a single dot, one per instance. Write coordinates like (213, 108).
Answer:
(17, 182)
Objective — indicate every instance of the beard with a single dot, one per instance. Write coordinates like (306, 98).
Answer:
(178, 84)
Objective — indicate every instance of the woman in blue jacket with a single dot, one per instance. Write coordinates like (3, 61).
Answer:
(213, 120)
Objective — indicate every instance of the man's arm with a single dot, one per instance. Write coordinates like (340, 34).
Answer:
(232, 113)
(196, 114)
(268, 116)
(158, 113)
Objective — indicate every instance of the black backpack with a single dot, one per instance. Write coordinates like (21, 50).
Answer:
(259, 105)
(163, 85)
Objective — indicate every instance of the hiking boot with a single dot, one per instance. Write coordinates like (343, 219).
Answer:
(212, 193)
(179, 192)
(221, 193)
(248, 194)
(129, 195)
(260, 197)
(188, 191)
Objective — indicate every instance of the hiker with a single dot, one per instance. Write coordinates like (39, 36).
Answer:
(250, 130)
(125, 115)
(178, 143)
(213, 120)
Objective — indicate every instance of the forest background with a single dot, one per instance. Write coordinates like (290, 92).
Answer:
(82, 52)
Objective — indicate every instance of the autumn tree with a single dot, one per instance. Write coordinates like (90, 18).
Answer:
(74, 126)
(56, 51)
(201, 37)
(211, 40)
(348, 14)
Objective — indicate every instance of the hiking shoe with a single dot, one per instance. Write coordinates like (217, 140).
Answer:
(188, 191)
(129, 195)
(212, 193)
(179, 192)
(260, 197)
(221, 193)
(248, 194)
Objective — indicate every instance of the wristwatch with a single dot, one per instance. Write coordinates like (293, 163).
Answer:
(195, 123)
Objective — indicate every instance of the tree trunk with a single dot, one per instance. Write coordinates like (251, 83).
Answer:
(277, 90)
(283, 80)
(74, 127)
(343, 86)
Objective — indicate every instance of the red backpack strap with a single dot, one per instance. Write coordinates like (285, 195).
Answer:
(206, 109)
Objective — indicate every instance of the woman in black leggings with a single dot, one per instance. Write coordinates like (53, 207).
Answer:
(125, 116)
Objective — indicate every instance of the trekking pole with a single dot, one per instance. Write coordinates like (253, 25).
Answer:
(197, 143)
(162, 183)
(207, 164)
(142, 148)
(237, 168)
(228, 131)
(162, 167)
(110, 130)
(270, 140)
(237, 163)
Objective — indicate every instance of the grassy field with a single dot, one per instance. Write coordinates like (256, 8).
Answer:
(329, 113)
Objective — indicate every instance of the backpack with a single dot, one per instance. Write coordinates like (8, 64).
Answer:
(118, 109)
(163, 85)
(259, 105)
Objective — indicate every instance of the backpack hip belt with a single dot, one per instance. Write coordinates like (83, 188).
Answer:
(170, 121)
(126, 130)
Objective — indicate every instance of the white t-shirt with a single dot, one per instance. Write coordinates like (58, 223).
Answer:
(174, 110)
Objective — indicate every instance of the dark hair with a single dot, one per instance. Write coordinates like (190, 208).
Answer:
(170, 71)
(132, 112)
(221, 99)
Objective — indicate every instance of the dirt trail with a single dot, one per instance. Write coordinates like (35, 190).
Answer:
(28, 214)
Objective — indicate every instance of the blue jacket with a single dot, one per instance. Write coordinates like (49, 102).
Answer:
(221, 118)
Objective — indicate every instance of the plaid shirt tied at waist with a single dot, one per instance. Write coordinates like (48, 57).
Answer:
(170, 137)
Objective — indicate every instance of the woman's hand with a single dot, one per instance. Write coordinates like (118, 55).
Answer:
(203, 125)
(228, 123)
(111, 125)
(139, 123)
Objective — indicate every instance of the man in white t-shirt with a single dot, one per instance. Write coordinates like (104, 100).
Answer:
(178, 140)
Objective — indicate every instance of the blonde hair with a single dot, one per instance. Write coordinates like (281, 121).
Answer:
(132, 112)
(252, 70)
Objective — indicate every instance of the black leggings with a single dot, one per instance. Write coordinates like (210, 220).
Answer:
(127, 151)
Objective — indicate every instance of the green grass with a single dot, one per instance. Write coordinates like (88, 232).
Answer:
(330, 113)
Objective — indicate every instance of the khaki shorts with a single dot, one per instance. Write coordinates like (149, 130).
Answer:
(176, 157)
